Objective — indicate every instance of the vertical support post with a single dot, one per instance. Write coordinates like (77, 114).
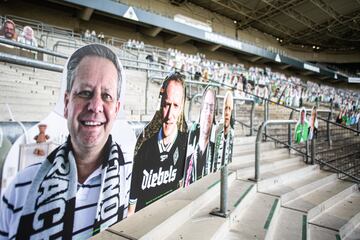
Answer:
(146, 92)
(265, 119)
(257, 151)
(190, 87)
(223, 211)
(267, 109)
(307, 151)
(313, 149)
(234, 109)
(257, 161)
(252, 117)
(224, 190)
(290, 131)
(328, 135)
(289, 137)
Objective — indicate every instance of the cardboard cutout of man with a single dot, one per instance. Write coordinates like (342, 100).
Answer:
(301, 128)
(8, 30)
(225, 135)
(160, 155)
(83, 186)
(200, 151)
(313, 124)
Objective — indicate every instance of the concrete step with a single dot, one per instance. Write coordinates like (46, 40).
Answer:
(267, 166)
(290, 225)
(319, 233)
(293, 165)
(22, 94)
(303, 169)
(306, 184)
(258, 220)
(27, 90)
(23, 116)
(244, 149)
(164, 216)
(247, 157)
(355, 235)
(244, 140)
(320, 199)
(205, 226)
(28, 101)
(342, 217)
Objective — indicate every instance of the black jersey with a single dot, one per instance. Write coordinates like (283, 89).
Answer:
(198, 164)
(157, 171)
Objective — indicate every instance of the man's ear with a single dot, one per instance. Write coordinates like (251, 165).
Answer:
(117, 107)
(66, 102)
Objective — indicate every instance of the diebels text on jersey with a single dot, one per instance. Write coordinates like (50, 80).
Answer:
(159, 170)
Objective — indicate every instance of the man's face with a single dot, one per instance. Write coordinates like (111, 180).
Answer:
(227, 114)
(207, 113)
(91, 106)
(28, 34)
(9, 30)
(172, 107)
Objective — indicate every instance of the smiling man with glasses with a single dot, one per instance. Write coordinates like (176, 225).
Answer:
(200, 149)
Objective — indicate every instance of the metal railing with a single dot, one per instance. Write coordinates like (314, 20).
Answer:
(336, 147)
(341, 153)
(259, 138)
(4, 57)
(28, 47)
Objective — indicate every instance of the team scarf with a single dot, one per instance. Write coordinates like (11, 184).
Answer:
(223, 149)
(49, 210)
(191, 171)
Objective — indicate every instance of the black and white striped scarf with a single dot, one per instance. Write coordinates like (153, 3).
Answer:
(49, 209)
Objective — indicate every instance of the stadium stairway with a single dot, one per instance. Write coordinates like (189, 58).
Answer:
(291, 200)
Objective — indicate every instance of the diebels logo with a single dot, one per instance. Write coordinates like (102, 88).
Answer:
(151, 179)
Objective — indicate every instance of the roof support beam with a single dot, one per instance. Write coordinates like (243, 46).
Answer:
(285, 67)
(269, 12)
(326, 9)
(254, 59)
(294, 15)
(178, 39)
(152, 32)
(213, 48)
(241, 11)
(85, 13)
(327, 27)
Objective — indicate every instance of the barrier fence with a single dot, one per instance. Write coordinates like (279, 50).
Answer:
(335, 147)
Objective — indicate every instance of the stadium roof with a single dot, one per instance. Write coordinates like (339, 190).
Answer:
(328, 24)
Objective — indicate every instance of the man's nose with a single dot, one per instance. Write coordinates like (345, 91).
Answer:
(170, 112)
(96, 104)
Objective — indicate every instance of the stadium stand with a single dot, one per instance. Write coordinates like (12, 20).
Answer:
(290, 199)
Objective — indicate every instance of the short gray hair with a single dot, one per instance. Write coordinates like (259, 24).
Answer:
(96, 50)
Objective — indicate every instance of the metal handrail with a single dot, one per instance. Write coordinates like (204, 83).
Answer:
(4, 57)
(259, 138)
(28, 47)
